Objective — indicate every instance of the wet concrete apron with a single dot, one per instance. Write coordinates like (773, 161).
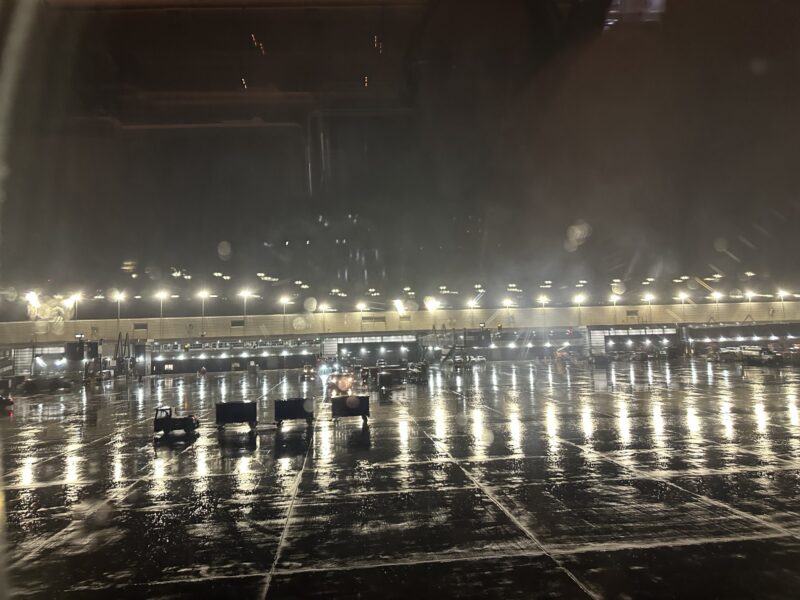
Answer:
(514, 480)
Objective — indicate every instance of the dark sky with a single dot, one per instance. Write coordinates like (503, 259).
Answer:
(481, 133)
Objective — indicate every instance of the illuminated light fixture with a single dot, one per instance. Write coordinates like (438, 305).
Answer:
(432, 304)
(629, 342)
(512, 345)
(665, 342)
(492, 345)
(543, 300)
(472, 303)
(649, 298)
(244, 355)
(403, 349)
(361, 306)
(611, 343)
(203, 294)
(246, 294)
(324, 307)
(683, 296)
(579, 299)
(749, 295)
(72, 300)
(285, 300)
(162, 295)
(529, 345)
(363, 350)
(707, 340)
(508, 303)
(717, 295)
(203, 356)
(400, 307)
(614, 298)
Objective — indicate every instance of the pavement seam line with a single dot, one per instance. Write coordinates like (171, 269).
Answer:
(437, 559)
(93, 442)
(532, 553)
(528, 533)
(67, 530)
(783, 532)
(281, 542)
(705, 499)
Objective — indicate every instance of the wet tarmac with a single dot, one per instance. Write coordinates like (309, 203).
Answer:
(513, 480)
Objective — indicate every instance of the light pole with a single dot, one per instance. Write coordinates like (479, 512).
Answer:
(649, 299)
(285, 300)
(682, 296)
(781, 295)
(323, 309)
(203, 294)
(432, 304)
(543, 300)
(361, 308)
(508, 303)
(73, 300)
(400, 307)
(161, 295)
(749, 295)
(245, 294)
(118, 298)
(614, 299)
(716, 295)
(579, 299)
(33, 304)
(33, 307)
(471, 304)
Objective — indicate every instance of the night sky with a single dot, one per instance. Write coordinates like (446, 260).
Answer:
(420, 144)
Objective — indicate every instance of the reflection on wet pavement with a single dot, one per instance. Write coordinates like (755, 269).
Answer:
(517, 479)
